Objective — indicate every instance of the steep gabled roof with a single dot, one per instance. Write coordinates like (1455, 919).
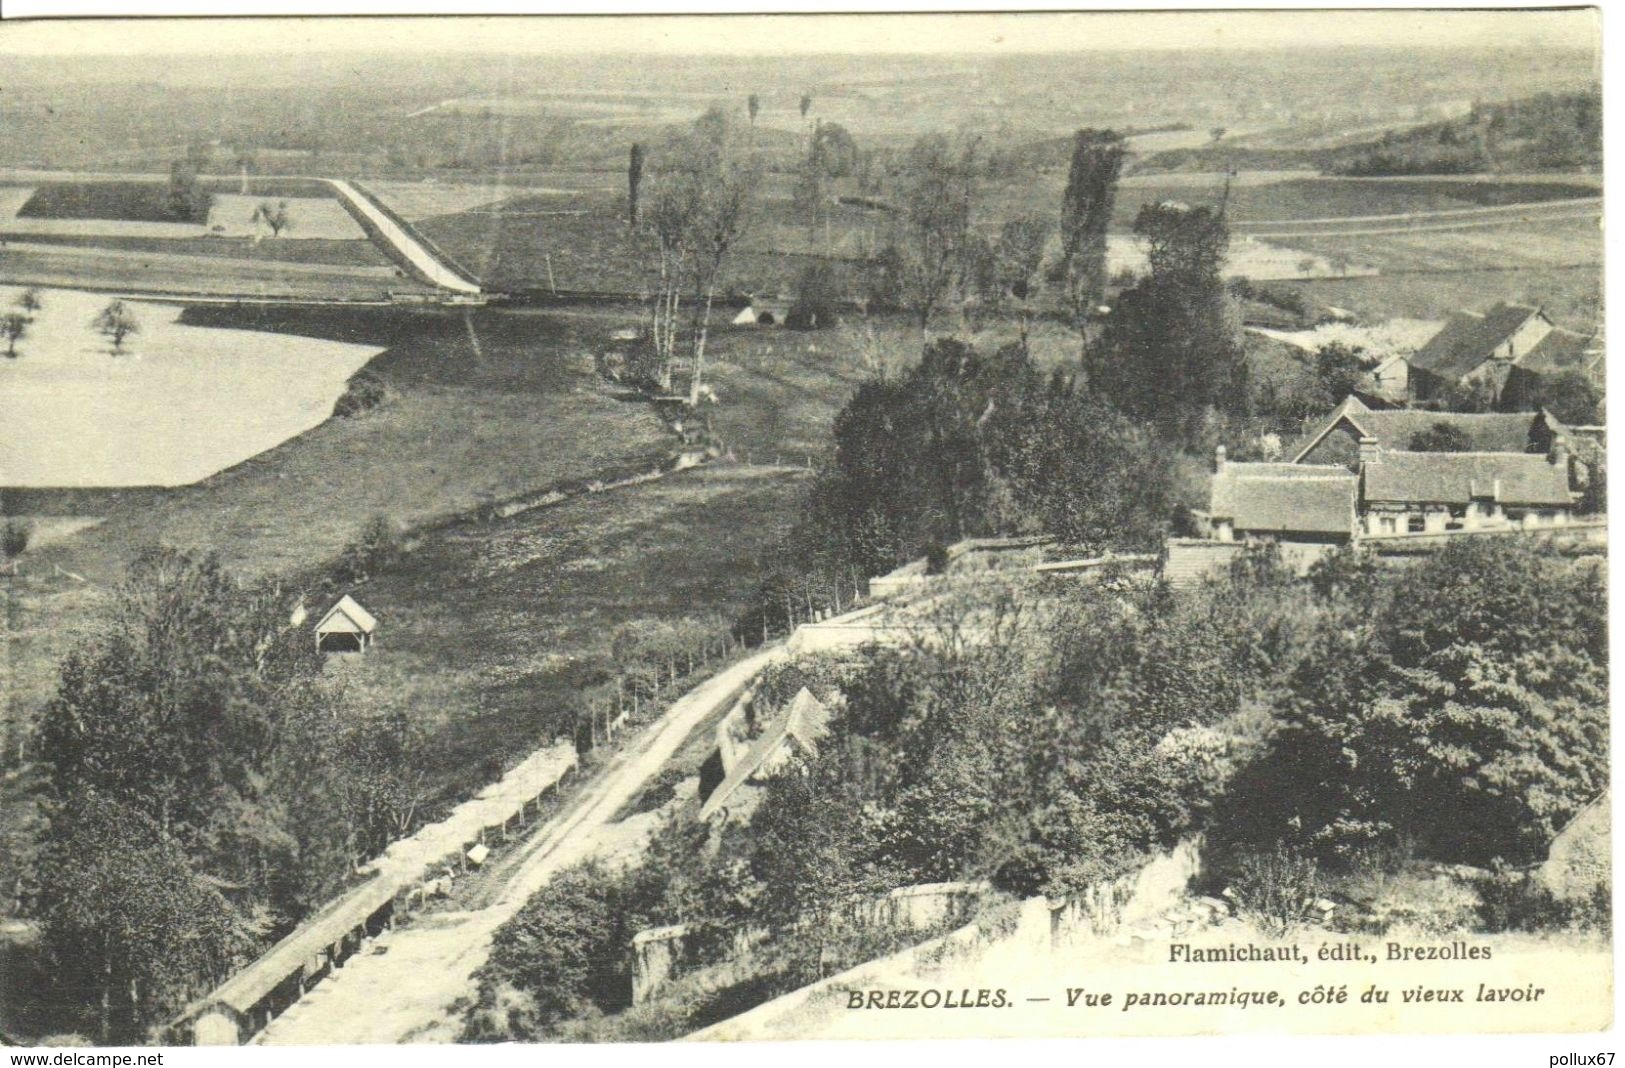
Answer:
(804, 724)
(1462, 477)
(1468, 339)
(1301, 498)
(1393, 429)
(348, 609)
(1560, 350)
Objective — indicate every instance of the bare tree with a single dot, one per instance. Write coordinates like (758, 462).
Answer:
(932, 229)
(698, 211)
(116, 323)
(806, 104)
(31, 301)
(276, 216)
(13, 325)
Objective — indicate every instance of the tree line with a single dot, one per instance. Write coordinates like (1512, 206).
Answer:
(1313, 729)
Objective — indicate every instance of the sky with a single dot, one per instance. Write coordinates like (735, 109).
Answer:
(977, 33)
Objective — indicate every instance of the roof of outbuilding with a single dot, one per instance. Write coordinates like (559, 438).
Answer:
(1469, 338)
(349, 609)
(1462, 477)
(1303, 498)
(806, 722)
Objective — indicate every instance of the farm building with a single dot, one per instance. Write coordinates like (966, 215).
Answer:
(346, 628)
(1509, 345)
(1336, 439)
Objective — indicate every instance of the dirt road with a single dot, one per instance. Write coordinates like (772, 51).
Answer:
(424, 259)
(404, 986)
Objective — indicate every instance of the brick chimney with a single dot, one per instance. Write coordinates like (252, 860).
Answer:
(1370, 451)
(1218, 460)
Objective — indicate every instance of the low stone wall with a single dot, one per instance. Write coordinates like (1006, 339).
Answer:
(661, 955)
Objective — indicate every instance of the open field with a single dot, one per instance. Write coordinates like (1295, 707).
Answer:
(1429, 274)
(1571, 295)
(357, 253)
(106, 234)
(479, 409)
(578, 240)
(121, 271)
(488, 630)
(182, 403)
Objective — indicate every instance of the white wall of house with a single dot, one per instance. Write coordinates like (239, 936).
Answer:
(1525, 338)
(1392, 377)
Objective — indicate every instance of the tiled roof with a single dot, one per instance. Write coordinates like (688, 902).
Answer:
(1462, 477)
(1393, 429)
(1300, 498)
(1560, 350)
(806, 722)
(1468, 339)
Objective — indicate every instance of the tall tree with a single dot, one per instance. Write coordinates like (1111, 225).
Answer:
(705, 183)
(753, 104)
(1086, 210)
(634, 182)
(931, 233)
(1171, 350)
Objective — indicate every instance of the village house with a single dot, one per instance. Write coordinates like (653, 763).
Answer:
(1359, 476)
(1304, 504)
(1336, 439)
(1504, 351)
(1438, 492)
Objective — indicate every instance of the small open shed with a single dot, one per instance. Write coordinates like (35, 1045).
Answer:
(346, 628)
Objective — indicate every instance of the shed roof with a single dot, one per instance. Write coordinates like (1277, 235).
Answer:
(804, 724)
(347, 610)
(1303, 498)
(1462, 477)
(1469, 338)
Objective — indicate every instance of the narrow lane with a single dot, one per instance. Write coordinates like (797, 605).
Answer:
(407, 245)
(404, 987)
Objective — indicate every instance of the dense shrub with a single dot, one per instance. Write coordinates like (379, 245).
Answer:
(377, 548)
(820, 290)
(14, 537)
(1513, 901)
(1275, 889)
(1468, 714)
(364, 392)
